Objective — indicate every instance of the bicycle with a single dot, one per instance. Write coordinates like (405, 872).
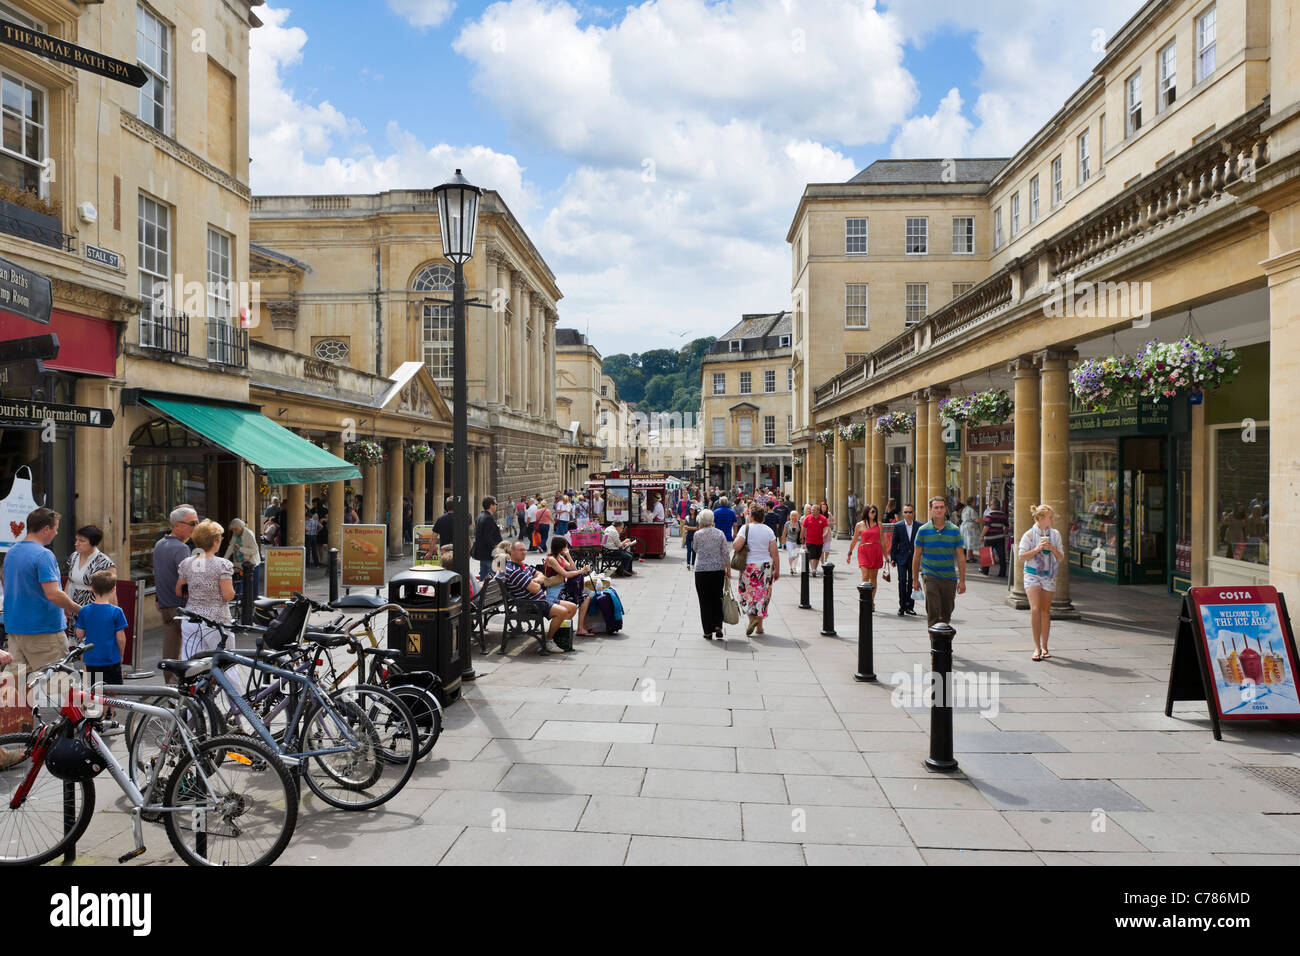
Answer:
(221, 794)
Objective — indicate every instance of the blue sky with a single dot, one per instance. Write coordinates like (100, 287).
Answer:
(733, 106)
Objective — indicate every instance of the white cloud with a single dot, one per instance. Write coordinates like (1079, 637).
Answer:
(1033, 56)
(944, 133)
(303, 147)
(423, 13)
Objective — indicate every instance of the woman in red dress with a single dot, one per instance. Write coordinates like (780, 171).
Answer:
(871, 556)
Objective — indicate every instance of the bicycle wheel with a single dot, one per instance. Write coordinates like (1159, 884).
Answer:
(154, 738)
(358, 777)
(239, 805)
(399, 736)
(38, 830)
(426, 713)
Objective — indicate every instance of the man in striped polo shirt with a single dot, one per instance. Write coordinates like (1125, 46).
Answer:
(941, 558)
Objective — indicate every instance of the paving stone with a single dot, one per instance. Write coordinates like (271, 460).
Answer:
(596, 730)
(933, 793)
(1182, 832)
(797, 719)
(565, 711)
(754, 760)
(870, 741)
(1129, 766)
(713, 736)
(484, 847)
(1228, 795)
(715, 785)
(545, 751)
(1007, 742)
(1072, 832)
(652, 816)
(788, 738)
(677, 851)
(1123, 741)
(961, 829)
(866, 826)
(559, 778)
(458, 774)
(818, 855)
(693, 716)
(994, 766)
(835, 791)
(670, 757)
(1036, 794)
(936, 857)
(486, 808)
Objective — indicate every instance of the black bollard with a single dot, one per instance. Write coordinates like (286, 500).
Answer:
(247, 594)
(941, 759)
(803, 584)
(866, 668)
(828, 601)
(333, 565)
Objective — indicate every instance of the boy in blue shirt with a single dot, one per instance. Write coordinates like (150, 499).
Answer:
(103, 626)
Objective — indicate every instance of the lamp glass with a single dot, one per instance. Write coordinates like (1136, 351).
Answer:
(458, 217)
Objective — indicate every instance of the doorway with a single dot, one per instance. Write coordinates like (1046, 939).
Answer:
(1146, 503)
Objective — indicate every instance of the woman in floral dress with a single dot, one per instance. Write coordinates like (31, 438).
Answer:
(762, 568)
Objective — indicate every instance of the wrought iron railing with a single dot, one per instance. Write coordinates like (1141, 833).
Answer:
(227, 344)
(165, 331)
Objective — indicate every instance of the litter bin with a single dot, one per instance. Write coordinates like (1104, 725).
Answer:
(431, 640)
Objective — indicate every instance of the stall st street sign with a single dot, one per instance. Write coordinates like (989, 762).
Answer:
(42, 44)
(23, 411)
(25, 293)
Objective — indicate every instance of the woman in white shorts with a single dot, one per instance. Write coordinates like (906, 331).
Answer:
(791, 535)
(1041, 552)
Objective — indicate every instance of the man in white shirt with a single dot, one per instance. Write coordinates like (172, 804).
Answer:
(614, 541)
(658, 514)
(598, 506)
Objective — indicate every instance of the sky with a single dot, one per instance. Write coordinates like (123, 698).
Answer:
(655, 154)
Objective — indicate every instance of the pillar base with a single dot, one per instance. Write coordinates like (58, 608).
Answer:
(940, 766)
(1018, 600)
(1065, 612)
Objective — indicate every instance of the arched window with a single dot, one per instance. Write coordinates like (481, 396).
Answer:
(436, 320)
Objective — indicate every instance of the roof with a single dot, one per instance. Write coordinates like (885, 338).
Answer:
(269, 253)
(759, 325)
(569, 337)
(899, 171)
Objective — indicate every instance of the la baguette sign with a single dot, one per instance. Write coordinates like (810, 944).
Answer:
(42, 44)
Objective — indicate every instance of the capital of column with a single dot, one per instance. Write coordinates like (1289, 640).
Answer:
(1023, 367)
(1055, 358)
(937, 392)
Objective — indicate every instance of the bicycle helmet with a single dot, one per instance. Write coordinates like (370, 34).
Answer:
(70, 759)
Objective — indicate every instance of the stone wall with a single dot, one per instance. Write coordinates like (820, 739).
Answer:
(523, 463)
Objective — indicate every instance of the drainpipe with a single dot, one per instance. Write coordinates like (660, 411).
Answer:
(379, 319)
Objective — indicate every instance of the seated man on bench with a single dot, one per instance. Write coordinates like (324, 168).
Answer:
(614, 541)
(524, 586)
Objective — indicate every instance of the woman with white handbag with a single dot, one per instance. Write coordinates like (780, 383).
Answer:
(712, 571)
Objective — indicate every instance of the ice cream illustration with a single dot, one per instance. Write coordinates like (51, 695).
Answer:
(1251, 663)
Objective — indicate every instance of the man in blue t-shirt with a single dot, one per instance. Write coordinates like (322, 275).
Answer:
(34, 603)
(941, 558)
(724, 519)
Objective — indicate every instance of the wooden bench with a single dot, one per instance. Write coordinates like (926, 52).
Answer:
(489, 602)
(523, 620)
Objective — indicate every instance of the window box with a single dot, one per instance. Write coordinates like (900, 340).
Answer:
(32, 224)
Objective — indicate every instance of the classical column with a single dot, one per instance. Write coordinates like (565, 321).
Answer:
(491, 372)
(336, 498)
(295, 510)
(921, 453)
(879, 467)
(936, 458)
(1054, 456)
(370, 494)
(395, 472)
(839, 491)
(549, 385)
(439, 479)
(1026, 476)
(419, 487)
(535, 370)
(520, 363)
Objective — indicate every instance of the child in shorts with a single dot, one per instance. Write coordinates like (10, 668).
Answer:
(102, 625)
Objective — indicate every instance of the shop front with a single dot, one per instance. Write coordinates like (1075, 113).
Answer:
(1130, 516)
(902, 473)
(989, 463)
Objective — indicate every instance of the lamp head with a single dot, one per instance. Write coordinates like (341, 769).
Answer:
(458, 217)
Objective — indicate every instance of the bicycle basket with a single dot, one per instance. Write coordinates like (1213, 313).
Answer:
(287, 626)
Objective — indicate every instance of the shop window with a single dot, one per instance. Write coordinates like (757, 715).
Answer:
(1094, 532)
(1241, 494)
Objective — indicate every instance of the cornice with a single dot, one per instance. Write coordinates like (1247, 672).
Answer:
(184, 156)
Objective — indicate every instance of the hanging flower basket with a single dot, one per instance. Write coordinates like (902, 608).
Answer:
(796, 461)
(990, 407)
(825, 437)
(421, 454)
(1105, 382)
(367, 453)
(896, 423)
(854, 432)
(1188, 365)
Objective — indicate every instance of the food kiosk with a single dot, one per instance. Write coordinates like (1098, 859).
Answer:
(630, 497)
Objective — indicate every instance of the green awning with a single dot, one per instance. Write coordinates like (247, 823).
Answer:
(286, 458)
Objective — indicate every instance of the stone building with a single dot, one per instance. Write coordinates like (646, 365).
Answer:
(577, 407)
(358, 282)
(746, 413)
(1160, 201)
(144, 240)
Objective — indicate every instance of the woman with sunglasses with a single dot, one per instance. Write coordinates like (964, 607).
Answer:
(871, 556)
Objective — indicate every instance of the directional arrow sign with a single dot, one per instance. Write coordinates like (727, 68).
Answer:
(22, 411)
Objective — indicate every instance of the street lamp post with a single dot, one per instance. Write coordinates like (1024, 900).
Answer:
(458, 223)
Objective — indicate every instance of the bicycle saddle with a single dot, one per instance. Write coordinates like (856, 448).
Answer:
(186, 669)
(269, 603)
(359, 602)
(327, 638)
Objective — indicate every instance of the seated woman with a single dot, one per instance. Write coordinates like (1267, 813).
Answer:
(445, 556)
(560, 569)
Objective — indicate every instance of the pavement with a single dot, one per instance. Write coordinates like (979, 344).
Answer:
(655, 746)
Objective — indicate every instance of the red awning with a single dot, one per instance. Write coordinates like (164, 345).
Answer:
(86, 344)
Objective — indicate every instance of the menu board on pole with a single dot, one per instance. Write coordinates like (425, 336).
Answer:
(424, 544)
(1235, 649)
(362, 555)
(618, 493)
(285, 572)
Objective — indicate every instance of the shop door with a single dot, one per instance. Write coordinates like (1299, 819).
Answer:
(1145, 511)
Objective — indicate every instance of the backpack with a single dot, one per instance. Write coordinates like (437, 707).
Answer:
(288, 624)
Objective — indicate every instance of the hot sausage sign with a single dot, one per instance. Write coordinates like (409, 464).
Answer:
(362, 555)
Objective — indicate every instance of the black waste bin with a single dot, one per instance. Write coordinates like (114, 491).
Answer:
(431, 640)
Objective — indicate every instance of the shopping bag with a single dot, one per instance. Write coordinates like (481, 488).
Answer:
(986, 556)
(730, 608)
